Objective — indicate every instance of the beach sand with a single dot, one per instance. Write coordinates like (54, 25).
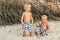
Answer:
(14, 32)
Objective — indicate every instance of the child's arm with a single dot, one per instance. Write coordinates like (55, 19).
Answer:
(32, 19)
(47, 27)
(22, 18)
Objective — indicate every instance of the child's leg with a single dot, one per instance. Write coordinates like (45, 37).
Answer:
(30, 29)
(44, 33)
(37, 33)
(30, 34)
(24, 30)
(24, 34)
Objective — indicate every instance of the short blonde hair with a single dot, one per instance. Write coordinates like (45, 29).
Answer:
(27, 5)
(44, 16)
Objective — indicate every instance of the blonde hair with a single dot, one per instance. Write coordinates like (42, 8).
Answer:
(44, 16)
(27, 5)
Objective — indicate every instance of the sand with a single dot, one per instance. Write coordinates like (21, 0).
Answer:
(14, 32)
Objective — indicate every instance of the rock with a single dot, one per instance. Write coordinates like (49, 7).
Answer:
(11, 10)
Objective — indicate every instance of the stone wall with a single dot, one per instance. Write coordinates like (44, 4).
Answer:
(11, 10)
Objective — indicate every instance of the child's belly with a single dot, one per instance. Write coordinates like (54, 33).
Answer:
(44, 28)
(27, 21)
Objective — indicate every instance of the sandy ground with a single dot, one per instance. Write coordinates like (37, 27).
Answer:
(14, 32)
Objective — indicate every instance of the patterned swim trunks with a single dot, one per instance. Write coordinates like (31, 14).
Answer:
(27, 27)
(41, 31)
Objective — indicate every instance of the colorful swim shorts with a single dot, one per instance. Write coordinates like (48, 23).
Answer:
(41, 31)
(27, 27)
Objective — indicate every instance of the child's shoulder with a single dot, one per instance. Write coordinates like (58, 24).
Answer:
(24, 13)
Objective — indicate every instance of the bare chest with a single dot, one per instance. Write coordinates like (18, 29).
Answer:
(27, 15)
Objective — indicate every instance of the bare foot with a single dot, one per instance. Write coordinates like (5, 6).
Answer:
(24, 34)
